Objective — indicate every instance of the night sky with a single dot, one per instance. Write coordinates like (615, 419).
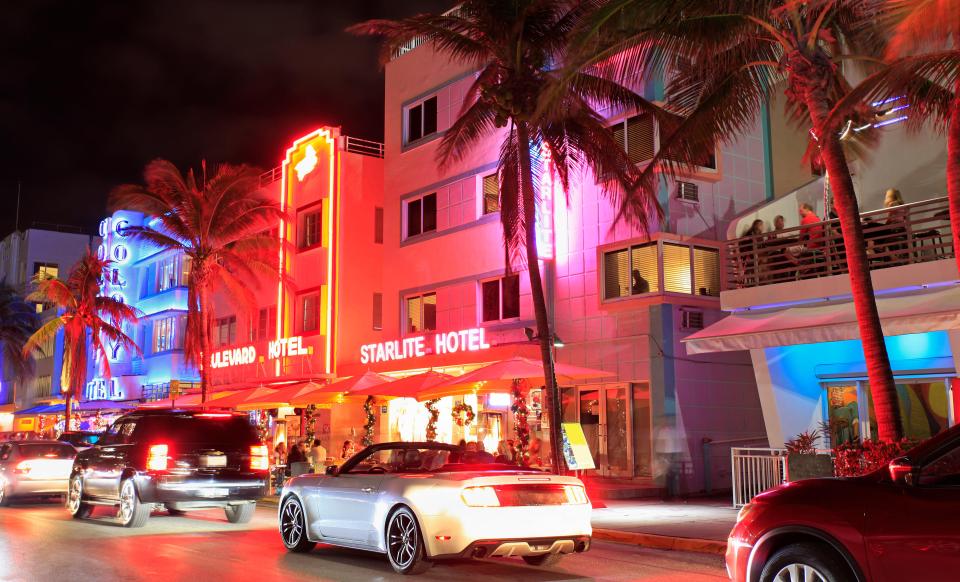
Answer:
(92, 91)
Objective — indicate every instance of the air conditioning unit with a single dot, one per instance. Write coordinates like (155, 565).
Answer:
(691, 319)
(688, 192)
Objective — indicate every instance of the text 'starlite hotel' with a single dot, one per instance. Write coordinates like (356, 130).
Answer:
(393, 266)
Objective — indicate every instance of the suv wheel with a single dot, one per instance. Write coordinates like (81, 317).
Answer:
(4, 494)
(293, 527)
(804, 562)
(132, 512)
(405, 547)
(242, 513)
(75, 505)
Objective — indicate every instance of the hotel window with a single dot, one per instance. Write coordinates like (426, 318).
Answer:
(421, 215)
(378, 226)
(310, 312)
(378, 311)
(263, 324)
(46, 270)
(167, 334)
(421, 119)
(168, 273)
(706, 271)
(491, 194)
(500, 298)
(226, 330)
(309, 229)
(422, 313)
(636, 136)
(631, 271)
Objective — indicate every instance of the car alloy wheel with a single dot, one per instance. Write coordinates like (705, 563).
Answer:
(293, 527)
(799, 573)
(74, 495)
(127, 501)
(3, 493)
(402, 540)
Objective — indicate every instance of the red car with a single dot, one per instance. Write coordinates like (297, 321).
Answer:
(896, 524)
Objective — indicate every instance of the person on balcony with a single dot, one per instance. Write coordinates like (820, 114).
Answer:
(751, 242)
(894, 239)
(810, 240)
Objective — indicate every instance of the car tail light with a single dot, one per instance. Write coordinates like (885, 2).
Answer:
(480, 497)
(158, 457)
(575, 495)
(259, 460)
(214, 415)
(23, 468)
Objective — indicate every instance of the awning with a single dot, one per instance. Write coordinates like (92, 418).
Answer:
(85, 406)
(935, 310)
(42, 409)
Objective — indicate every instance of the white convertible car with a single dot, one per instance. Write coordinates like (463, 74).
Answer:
(421, 502)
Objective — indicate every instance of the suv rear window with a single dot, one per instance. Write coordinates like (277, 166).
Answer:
(220, 432)
(49, 450)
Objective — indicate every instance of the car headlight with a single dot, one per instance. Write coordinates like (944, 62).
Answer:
(575, 495)
(480, 497)
(744, 511)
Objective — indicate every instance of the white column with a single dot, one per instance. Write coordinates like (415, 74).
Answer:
(768, 401)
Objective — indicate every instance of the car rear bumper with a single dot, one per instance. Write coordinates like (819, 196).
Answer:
(521, 547)
(200, 492)
(36, 486)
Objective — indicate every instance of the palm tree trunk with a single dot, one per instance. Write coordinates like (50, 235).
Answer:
(203, 296)
(882, 387)
(539, 300)
(953, 172)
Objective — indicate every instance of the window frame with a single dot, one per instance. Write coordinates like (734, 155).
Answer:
(701, 171)
(690, 246)
(304, 241)
(422, 134)
(302, 312)
(482, 193)
(406, 312)
(228, 322)
(420, 202)
(501, 317)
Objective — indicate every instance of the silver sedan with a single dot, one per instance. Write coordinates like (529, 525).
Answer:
(34, 468)
(421, 502)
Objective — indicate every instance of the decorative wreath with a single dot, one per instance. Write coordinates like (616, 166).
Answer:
(463, 414)
(431, 406)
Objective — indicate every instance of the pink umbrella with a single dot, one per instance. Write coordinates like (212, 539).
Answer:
(238, 398)
(324, 393)
(280, 396)
(499, 376)
(408, 387)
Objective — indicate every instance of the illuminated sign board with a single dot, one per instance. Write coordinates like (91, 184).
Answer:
(307, 164)
(245, 355)
(103, 389)
(115, 248)
(465, 340)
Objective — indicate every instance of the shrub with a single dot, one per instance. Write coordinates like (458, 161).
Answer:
(804, 443)
(854, 459)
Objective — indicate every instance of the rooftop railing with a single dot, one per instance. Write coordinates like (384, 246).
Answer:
(911, 233)
(354, 145)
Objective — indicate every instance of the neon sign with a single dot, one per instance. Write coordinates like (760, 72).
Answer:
(465, 340)
(245, 355)
(116, 250)
(103, 389)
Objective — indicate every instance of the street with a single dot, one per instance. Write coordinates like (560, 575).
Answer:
(41, 542)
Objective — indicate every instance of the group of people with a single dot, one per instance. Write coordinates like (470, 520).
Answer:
(778, 255)
(312, 455)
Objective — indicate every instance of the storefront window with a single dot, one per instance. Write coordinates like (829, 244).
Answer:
(925, 409)
(843, 414)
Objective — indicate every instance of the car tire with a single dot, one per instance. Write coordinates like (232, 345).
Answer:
(543, 559)
(132, 512)
(75, 505)
(4, 494)
(242, 513)
(406, 549)
(811, 562)
(293, 527)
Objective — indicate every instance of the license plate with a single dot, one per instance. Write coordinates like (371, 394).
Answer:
(214, 492)
(213, 461)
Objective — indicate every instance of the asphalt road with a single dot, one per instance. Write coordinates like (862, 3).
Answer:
(40, 542)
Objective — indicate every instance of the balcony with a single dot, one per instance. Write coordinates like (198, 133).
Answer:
(904, 235)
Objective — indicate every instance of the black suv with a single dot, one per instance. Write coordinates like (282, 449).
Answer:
(180, 459)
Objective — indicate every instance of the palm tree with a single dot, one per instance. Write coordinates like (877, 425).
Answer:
(520, 97)
(83, 315)
(924, 71)
(18, 321)
(724, 59)
(219, 225)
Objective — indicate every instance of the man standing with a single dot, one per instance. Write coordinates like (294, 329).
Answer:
(317, 456)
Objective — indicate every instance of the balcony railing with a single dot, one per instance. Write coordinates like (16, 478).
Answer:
(912, 233)
(355, 145)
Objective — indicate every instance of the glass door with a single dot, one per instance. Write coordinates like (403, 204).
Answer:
(604, 414)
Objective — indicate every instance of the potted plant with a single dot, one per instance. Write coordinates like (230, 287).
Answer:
(803, 460)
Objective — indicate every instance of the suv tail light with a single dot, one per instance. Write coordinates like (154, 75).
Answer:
(23, 468)
(158, 457)
(259, 460)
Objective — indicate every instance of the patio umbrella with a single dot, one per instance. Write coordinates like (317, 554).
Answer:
(408, 387)
(328, 392)
(278, 397)
(499, 376)
(237, 398)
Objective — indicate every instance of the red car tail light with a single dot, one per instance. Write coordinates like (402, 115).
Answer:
(23, 468)
(158, 457)
(480, 497)
(259, 459)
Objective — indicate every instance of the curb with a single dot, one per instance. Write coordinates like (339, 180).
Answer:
(715, 547)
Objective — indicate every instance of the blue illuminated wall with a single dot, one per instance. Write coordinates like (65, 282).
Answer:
(796, 372)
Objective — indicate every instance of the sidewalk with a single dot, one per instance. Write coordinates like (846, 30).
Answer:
(696, 525)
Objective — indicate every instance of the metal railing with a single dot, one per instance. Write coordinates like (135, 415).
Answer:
(363, 147)
(755, 470)
(911, 233)
(271, 176)
(416, 41)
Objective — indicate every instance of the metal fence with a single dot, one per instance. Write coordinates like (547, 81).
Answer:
(363, 146)
(754, 470)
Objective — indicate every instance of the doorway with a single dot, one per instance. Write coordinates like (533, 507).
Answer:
(616, 423)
